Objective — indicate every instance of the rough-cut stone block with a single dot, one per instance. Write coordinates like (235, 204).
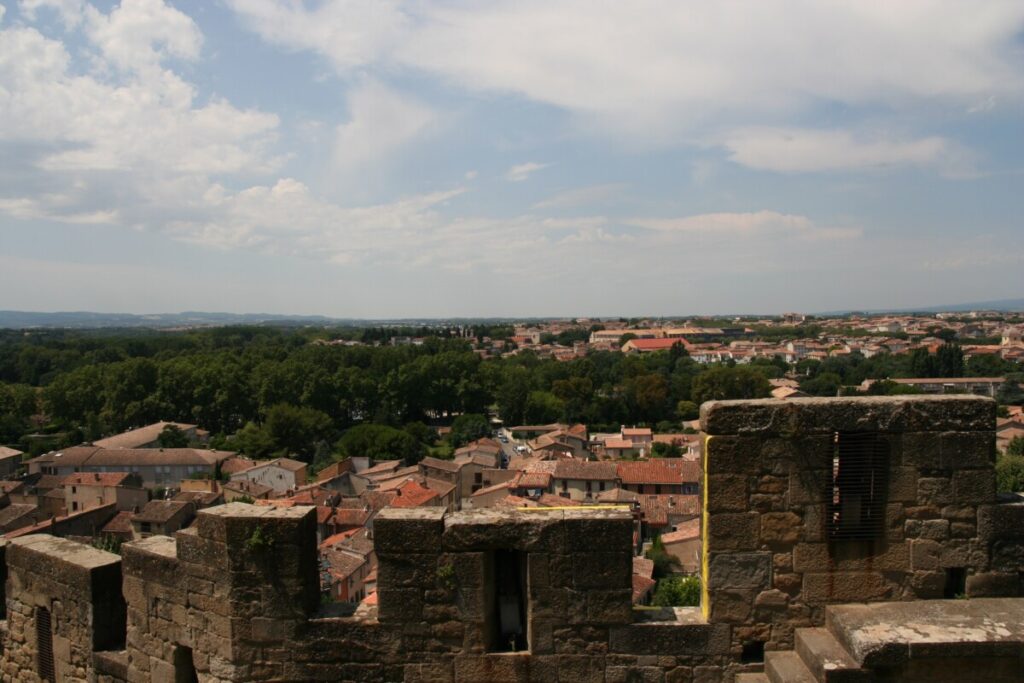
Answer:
(408, 530)
(928, 585)
(400, 605)
(731, 454)
(974, 487)
(924, 555)
(679, 639)
(921, 451)
(492, 529)
(496, 668)
(845, 587)
(937, 491)
(727, 493)
(740, 570)
(733, 531)
(606, 530)
(968, 450)
(601, 570)
(812, 415)
(780, 528)
(731, 606)
(1001, 522)
(903, 485)
(609, 607)
(994, 585)
(935, 529)
(807, 487)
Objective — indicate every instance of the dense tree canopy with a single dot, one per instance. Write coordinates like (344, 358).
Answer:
(278, 391)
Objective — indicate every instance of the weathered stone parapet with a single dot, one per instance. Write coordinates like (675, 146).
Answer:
(74, 587)
(221, 595)
(801, 416)
(773, 478)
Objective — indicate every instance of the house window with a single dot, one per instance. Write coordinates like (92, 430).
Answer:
(858, 487)
(478, 478)
(74, 506)
(565, 486)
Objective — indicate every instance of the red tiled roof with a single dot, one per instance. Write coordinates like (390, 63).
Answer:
(648, 472)
(355, 517)
(96, 478)
(641, 587)
(687, 531)
(412, 494)
(657, 344)
(121, 523)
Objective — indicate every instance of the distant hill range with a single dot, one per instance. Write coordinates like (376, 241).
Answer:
(1002, 305)
(85, 319)
(188, 319)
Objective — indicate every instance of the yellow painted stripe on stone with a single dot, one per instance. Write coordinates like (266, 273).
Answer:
(705, 602)
(577, 507)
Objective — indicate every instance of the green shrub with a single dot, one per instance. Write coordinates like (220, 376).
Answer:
(677, 591)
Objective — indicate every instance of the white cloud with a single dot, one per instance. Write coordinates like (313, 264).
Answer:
(521, 172)
(69, 11)
(47, 208)
(350, 33)
(143, 123)
(795, 150)
(139, 34)
(747, 225)
(653, 68)
(381, 121)
(582, 196)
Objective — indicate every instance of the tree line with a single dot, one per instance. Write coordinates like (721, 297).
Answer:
(266, 391)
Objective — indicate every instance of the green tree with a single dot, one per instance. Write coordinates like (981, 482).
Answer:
(687, 410)
(295, 430)
(664, 564)
(1010, 473)
(171, 436)
(1016, 446)
(661, 449)
(254, 441)
(543, 407)
(723, 382)
(466, 428)
(380, 442)
(677, 591)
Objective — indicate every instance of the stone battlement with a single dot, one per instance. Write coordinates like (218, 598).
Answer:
(806, 504)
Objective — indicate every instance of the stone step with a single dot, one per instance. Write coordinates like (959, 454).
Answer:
(826, 658)
(785, 666)
(751, 678)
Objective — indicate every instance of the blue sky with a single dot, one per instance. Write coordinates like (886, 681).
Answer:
(380, 158)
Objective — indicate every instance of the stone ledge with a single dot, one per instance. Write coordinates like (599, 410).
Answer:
(889, 635)
(952, 413)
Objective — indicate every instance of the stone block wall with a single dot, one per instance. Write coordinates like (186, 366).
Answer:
(770, 565)
(235, 598)
(80, 587)
(223, 596)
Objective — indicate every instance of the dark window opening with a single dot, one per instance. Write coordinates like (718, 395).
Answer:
(508, 622)
(753, 652)
(858, 487)
(44, 645)
(956, 582)
(184, 667)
